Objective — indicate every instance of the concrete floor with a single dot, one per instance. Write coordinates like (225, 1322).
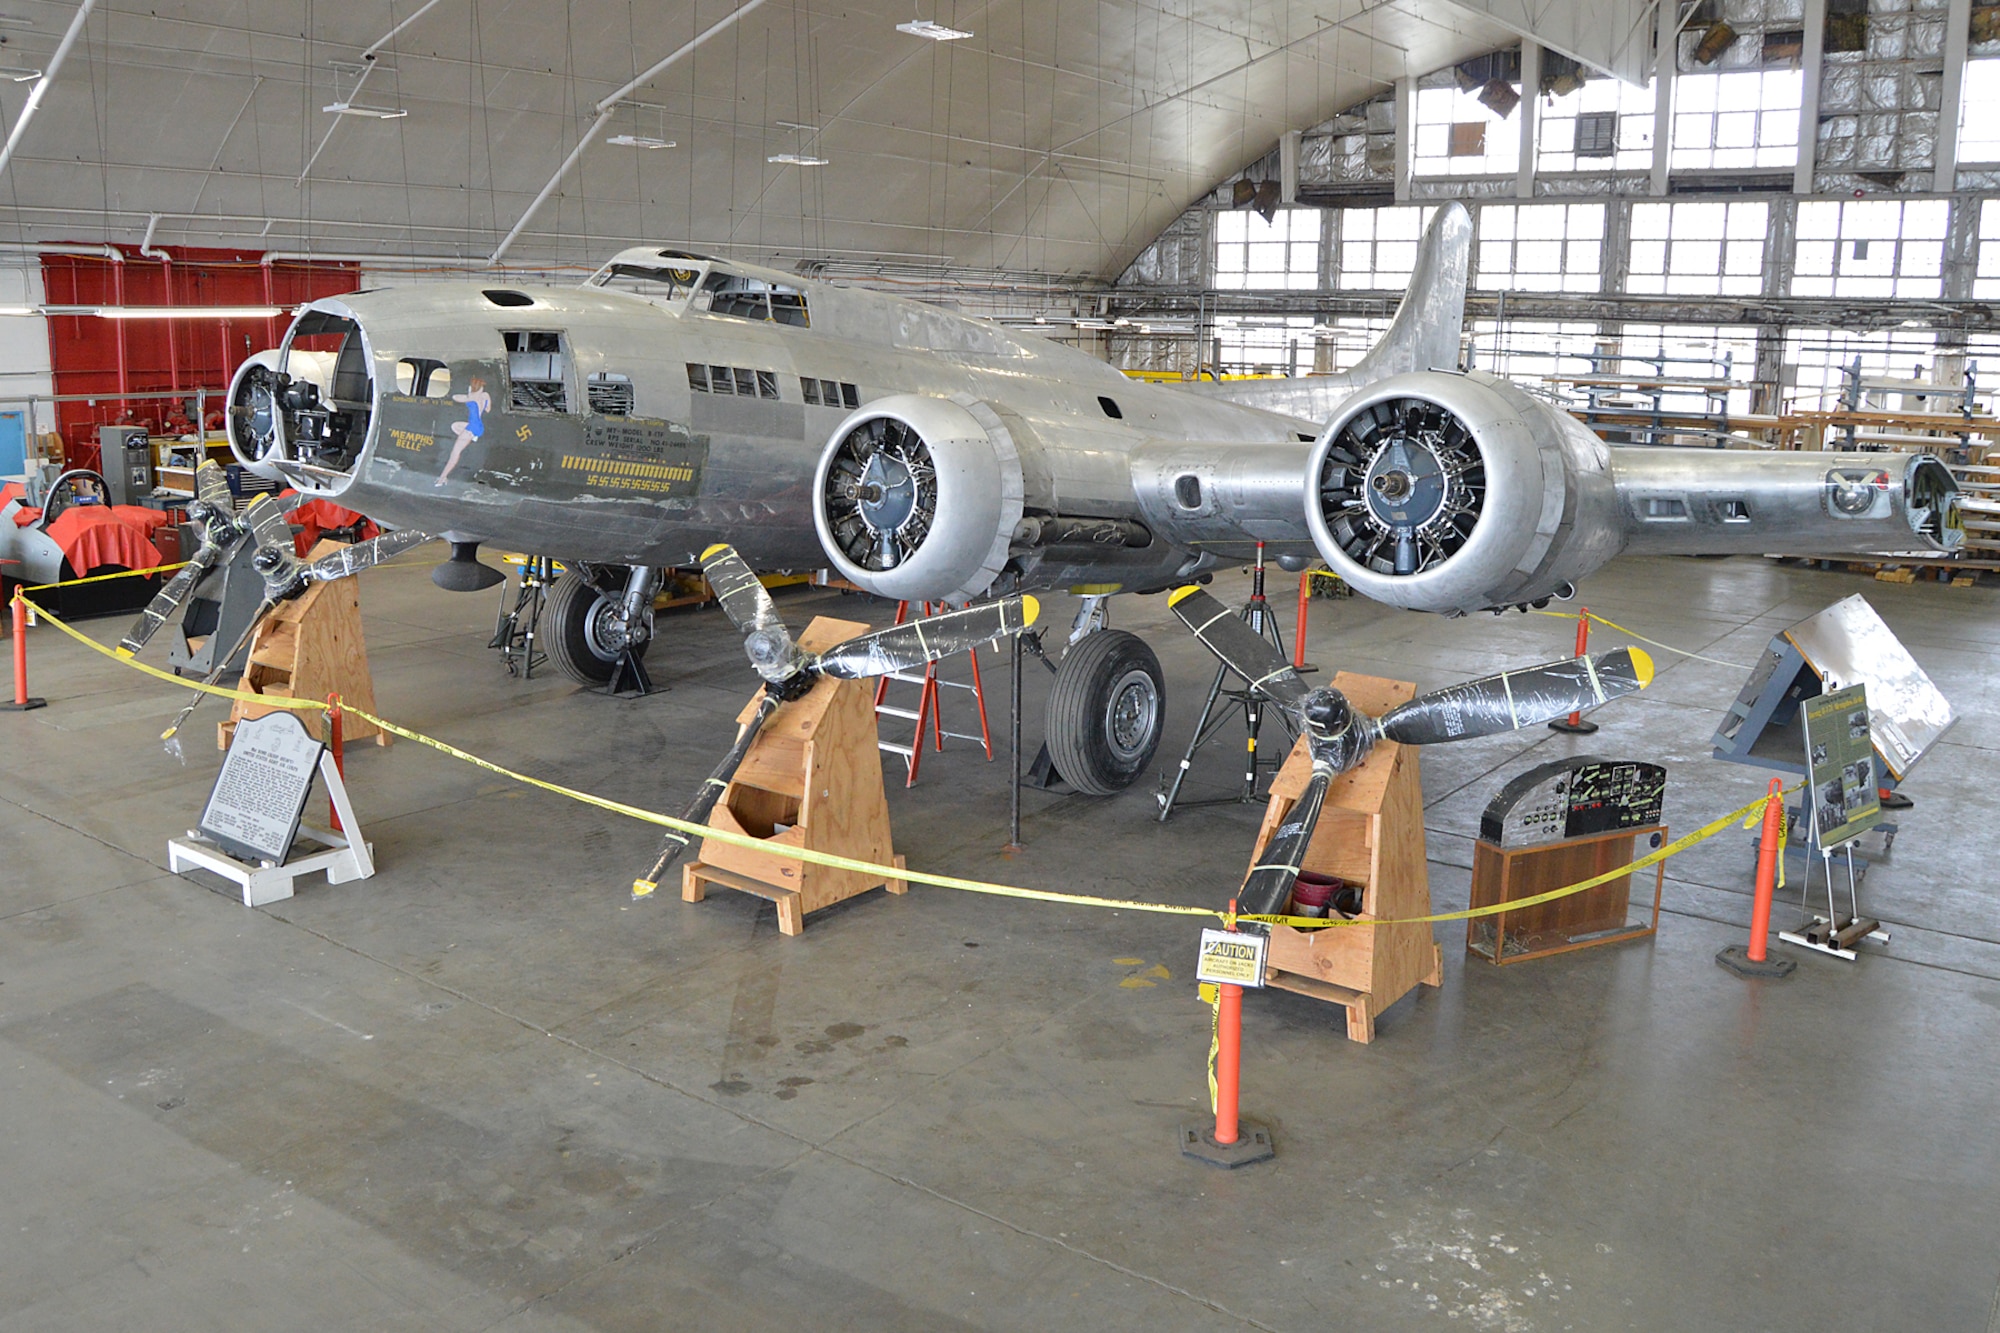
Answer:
(484, 1090)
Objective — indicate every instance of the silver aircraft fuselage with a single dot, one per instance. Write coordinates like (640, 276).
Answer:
(684, 417)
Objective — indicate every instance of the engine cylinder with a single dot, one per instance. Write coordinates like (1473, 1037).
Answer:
(1455, 492)
(917, 497)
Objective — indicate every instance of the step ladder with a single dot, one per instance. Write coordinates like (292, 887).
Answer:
(928, 710)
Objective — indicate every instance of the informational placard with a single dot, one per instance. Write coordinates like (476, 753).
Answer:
(1840, 764)
(254, 810)
(1232, 956)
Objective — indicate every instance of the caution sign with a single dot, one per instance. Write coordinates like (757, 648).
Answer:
(1232, 956)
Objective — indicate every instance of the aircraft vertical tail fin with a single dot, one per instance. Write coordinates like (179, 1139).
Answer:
(1423, 334)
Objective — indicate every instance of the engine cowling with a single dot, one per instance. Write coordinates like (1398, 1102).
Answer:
(917, 495)
(1457, 492)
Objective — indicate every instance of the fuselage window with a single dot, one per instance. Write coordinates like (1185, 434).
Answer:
(810, 388)
(655, 284)
(537, 370)
(752, 298)
(829, 393)
(610, 395)
(734, 380)
(419, 377)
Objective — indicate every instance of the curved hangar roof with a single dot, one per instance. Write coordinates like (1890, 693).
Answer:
(1060, 137)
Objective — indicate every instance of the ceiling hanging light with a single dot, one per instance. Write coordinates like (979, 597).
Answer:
(372, 112)
(190, 311)
(933, 30)
(799, 157)
(640, 141)
(18, 73)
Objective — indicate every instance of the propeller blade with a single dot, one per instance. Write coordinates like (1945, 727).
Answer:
(705, 798)
(1269, 885)
(211, 487)
(750, 609)
(168, 599)
(915, 642)
(353, 559)
(221, 665)
(1242, 649)
(1515, 699)
(272, 537)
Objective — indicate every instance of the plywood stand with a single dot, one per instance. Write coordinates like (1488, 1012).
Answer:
(1371, 833)
(812, 780)
(1600, 915)
(308, 648)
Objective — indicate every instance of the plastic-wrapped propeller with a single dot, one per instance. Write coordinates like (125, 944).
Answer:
(219, 537)
(790, 671)
(1338, 738)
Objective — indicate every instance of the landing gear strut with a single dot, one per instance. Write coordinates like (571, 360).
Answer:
(599, 631)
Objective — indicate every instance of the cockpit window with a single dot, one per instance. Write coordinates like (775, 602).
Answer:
(664, 282)
(422, 377)
(739, 297)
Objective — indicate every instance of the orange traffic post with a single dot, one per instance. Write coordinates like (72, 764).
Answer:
(1233, 1142)
(1574, 723)
(339, 758)
(1751, 960)
(1299, 635)
(21, 702)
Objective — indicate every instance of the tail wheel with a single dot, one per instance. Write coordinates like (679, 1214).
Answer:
(1107, 708)
(585, 631)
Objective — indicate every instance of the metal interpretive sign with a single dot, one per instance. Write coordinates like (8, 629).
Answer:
(1235, 957)
(259, 796)
(1840, 762)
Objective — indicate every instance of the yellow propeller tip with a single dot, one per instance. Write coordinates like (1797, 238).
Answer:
(643, 888)
(1030, 608)
(123, 653)
(1174, 597)
(1642, 666)
(710, 552)
(168, 734)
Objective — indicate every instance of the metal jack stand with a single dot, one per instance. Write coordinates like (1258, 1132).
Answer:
(514, 633)
(1833, 933)
(1257, 613)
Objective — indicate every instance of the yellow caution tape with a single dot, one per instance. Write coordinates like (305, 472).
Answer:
(829, 859)
(246, 696)
(101, 578)
(1633, 634)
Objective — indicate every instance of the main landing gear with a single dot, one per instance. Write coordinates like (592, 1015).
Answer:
(1107, 707)
(599, 627)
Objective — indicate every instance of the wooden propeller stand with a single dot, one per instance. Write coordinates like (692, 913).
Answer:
(308, 648)
(812, 779)
(1371, 834)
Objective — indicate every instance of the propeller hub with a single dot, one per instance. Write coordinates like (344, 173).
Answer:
(887, 493)
(770, 652)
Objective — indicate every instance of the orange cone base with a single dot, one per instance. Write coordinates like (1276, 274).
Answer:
(11, 707)
(1580, 729)
(1253, 1144)
(1737, 959)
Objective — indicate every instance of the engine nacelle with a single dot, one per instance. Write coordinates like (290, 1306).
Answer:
(1442, 491)
(915, 494)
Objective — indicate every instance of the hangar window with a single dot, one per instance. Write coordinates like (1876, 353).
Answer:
(1697, 249)
(610, 395)
(537, 370)
(1524, 349)
(1824, 362)
(1606, 125)
(1541, 247)
(421, 377)
(1986, 278)
(1339, 344)
(1871, 247)
(1378, 246)
(1747, 118)
(1700, 356)
(1281, 253)
(1459, 135)
(1979, 113)
(1265, 344)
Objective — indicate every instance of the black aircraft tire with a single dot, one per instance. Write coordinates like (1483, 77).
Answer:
(1107, 709)
(573, 604)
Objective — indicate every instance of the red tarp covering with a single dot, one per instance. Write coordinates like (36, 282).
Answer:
(317, 516)
(91, 535)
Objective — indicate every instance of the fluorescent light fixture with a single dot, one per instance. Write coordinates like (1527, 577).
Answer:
(373, 112)
(794, 125)
(935, 31)
(11, 21)
(190, 311)
(639, 141)
(797, 160)
(18, 310)
(19, 73)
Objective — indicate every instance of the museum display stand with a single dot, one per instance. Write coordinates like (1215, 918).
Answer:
(1370, 834)
(342, 857)
(309, 648)
(1598, 915)
(812, 780)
